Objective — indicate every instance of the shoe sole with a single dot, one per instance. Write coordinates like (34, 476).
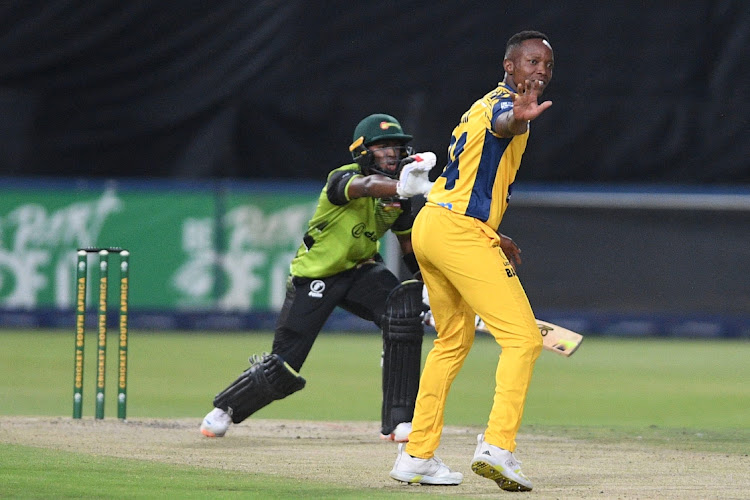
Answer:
(210, 434)
(489, 471)
(420, 479)
(392, 437)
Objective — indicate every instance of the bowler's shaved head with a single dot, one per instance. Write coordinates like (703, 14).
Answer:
(516, 40)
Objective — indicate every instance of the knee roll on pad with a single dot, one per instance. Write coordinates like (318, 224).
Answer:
(267, 379)
(403, 330)
(403, 312)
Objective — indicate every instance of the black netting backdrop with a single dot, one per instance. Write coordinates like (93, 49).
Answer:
(643, 91)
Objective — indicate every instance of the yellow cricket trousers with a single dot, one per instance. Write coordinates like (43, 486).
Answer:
(466, 272)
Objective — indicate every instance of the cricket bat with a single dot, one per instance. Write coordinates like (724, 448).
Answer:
(554, 338)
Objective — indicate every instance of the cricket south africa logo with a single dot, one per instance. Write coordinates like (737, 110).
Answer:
(387, 125)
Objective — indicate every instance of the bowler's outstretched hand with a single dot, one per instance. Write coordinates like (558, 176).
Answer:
(525, 100)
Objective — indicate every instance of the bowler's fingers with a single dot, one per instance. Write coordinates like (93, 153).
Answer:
(543, 106)
(515, 257)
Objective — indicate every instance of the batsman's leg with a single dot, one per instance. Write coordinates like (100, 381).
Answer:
(275, 376)
(265, 381)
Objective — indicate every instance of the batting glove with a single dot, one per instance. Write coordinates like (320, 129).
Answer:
(415, 170)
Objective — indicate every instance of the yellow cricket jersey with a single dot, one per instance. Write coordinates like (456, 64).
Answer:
(481, 165)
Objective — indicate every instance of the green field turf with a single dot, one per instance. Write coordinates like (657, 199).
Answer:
(694, 384)
(683, 394)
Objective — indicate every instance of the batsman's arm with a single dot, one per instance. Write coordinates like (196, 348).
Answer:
(372, 186)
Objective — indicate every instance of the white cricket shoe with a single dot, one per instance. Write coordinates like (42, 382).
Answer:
(499, 465)
(400, 434)
(216, 423)
(423, 470)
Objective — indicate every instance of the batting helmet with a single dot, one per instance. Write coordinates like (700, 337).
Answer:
(375, 128)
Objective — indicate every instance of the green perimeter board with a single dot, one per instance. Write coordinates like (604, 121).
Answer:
(175, 237)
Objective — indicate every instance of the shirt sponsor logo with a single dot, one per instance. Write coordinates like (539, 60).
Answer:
(317, 287)
(506, 105)
(359, 230)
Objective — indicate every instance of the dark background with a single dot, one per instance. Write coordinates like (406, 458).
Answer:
(644, 91)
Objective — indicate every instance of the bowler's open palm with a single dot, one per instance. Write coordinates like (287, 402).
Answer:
(525, 101)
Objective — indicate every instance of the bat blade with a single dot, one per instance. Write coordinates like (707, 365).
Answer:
(558, 339)
(555, 338)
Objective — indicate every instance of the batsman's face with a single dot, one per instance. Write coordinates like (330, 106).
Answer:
(387, 155)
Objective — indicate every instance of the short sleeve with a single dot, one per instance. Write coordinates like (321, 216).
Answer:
(337, 184)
